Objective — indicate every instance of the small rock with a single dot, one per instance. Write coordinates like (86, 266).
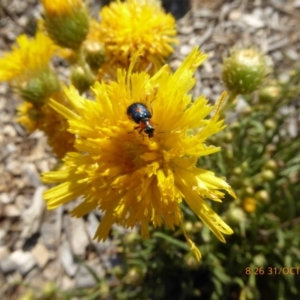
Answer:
(67, 259)
(93, 224)
(11, 211)
(2, 236)
(79, 239)
(235, 15)
(33, 216)
(14, 167)
(175, 64)
(185, 29)
(292, 54)
(9, 130)
(12, 278)
(4, 252)
(4, 198)
(33, 174)
(253, 21)
(24, 261)
(48, 234)
(43, 166)
(206, 91)
(185, 50)
(11, 147)
(7, 265)
(67, 283)
(41, 255)
(84, 277)
(23, 20)
(296, 3)
(4, 88)
(51, 271)
(200, 24)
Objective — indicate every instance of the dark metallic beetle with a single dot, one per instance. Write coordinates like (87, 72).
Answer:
(140, 114)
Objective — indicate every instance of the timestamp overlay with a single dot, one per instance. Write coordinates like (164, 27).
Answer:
(272, 271)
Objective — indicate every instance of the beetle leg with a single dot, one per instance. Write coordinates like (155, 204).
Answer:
(134, 128)
(140, 132)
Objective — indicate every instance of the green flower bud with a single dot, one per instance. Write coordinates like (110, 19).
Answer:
(270, 93)
(188, 226)
(271, 164)
(118, 271)
(270, 124)
(228, 137)
(38, 89)
(267, 175)
(262, 196)
(104, 290)
(247, 182)
(235, 215)
(259, 260)
(28, 296)
(246, 111)
(191, 262)
(130, 238)
(67, 23)
(237, 171)
(245, 166)
(82, 78)
(94, 54)
(249, 190)
(198, 226)
(49, 290)
(229, 153)
(134, 276)
(244, 71)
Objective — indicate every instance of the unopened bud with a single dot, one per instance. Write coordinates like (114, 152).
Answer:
(235, 215)
(271, 164)
(191, 262)
(134, 276)
(66, 22)
(249, 190)
(270, 124)
(244, 70)
(267, 175)
(262, 196)
(82, 78)
(270, 93)
(40, 88)
(130, 238)
(188, 226)
(94, 54)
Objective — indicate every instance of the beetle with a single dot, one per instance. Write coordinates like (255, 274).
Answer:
(139, 113)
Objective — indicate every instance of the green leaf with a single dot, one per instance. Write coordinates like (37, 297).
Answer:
(173, 241)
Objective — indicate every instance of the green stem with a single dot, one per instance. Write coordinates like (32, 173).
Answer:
(230, 102)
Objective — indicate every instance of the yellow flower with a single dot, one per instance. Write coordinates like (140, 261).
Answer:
(54, 125)
(135, 179)
(132, 25)
(28, 59)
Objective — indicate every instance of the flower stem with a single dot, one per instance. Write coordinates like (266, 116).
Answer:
(230, 102)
